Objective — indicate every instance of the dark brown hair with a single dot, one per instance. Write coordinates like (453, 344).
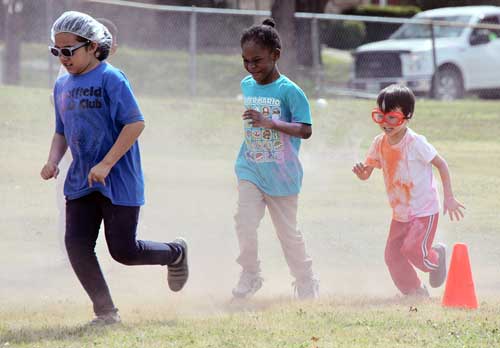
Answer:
(395, 96)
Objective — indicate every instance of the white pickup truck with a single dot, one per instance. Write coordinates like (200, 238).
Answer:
(466, 59)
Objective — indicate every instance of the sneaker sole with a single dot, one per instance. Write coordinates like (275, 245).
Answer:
(174, 283)
(438, 276)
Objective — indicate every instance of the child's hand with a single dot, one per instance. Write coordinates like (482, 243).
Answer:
(363, 172)
(453, 208)
(49, 170)
(98, 173)
(256, 119)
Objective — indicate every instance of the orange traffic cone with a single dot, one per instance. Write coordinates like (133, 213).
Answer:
(459, 290)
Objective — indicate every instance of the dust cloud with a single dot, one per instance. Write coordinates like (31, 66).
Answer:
(191, 192)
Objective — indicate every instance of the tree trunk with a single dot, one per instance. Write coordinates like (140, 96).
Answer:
(305, 50)
(13, 37)
(283, 11)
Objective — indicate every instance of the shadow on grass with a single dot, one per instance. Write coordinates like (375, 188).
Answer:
(381, 302)
(236, 305)
(23, 335)
(258, 305)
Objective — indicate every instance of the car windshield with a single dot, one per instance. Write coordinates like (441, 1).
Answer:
(422, 31)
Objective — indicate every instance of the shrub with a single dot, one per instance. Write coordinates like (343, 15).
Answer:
(342, 34)
(381, 31)
(384, 11)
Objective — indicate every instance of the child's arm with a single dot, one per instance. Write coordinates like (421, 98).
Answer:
(362, 172)
(299, 130)
(450, 204)
(126, 139)
(57, 150)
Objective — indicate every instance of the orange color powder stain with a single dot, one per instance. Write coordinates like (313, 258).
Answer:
(392, 157)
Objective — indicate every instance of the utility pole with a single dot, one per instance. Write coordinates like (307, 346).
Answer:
(283, 13)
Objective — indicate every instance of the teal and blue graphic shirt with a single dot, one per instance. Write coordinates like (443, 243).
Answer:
(91, 110)
(269, 158)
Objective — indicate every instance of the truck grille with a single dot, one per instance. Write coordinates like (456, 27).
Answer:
(378, 64)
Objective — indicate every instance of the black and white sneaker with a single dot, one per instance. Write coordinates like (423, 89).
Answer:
(438, 276)
(105, 319)
(178, 272)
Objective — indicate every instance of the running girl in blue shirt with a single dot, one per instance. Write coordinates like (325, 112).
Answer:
(269, 172)
(98, 118)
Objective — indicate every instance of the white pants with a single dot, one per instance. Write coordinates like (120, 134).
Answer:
(283, 210)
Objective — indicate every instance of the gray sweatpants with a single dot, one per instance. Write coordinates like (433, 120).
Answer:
(283, 210)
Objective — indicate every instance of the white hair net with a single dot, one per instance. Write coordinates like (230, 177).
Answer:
(83, 25)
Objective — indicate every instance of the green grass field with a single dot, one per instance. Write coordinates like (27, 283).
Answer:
(188, 151)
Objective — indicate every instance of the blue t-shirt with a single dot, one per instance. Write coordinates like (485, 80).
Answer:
(269, 158)
(91, 110)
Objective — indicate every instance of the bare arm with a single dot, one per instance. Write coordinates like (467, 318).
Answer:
(126, 139)
(450, 204)
(299, 130)
(57, 150)
(362, 172)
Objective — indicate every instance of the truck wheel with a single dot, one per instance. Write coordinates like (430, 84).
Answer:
(448, 85)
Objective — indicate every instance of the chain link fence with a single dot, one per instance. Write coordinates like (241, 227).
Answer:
(179, 51)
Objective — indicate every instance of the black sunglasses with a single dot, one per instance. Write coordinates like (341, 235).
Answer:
(67, 51)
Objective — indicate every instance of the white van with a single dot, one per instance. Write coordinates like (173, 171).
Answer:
(467, 59)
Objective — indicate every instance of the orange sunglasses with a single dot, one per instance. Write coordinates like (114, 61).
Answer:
(394, 118)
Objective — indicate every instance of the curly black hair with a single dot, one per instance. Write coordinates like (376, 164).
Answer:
(263, 34)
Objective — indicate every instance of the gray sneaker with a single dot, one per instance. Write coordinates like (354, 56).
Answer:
(306, 289)
(105, 319)
(178, 272)
(421, 292)
(248, 285)
(438, 276)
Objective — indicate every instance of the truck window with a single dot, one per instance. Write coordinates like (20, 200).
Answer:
(420, 31)
(492, 34)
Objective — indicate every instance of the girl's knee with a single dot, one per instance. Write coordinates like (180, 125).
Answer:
(123, 256)
(243, 225)
(78, 245)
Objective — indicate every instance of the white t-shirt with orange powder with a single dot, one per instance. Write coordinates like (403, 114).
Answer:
(409, 181)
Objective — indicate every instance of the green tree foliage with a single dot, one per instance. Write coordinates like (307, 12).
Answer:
(430, 4)
(197, 3)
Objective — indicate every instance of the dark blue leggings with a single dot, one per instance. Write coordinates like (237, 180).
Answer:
(83, 219)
